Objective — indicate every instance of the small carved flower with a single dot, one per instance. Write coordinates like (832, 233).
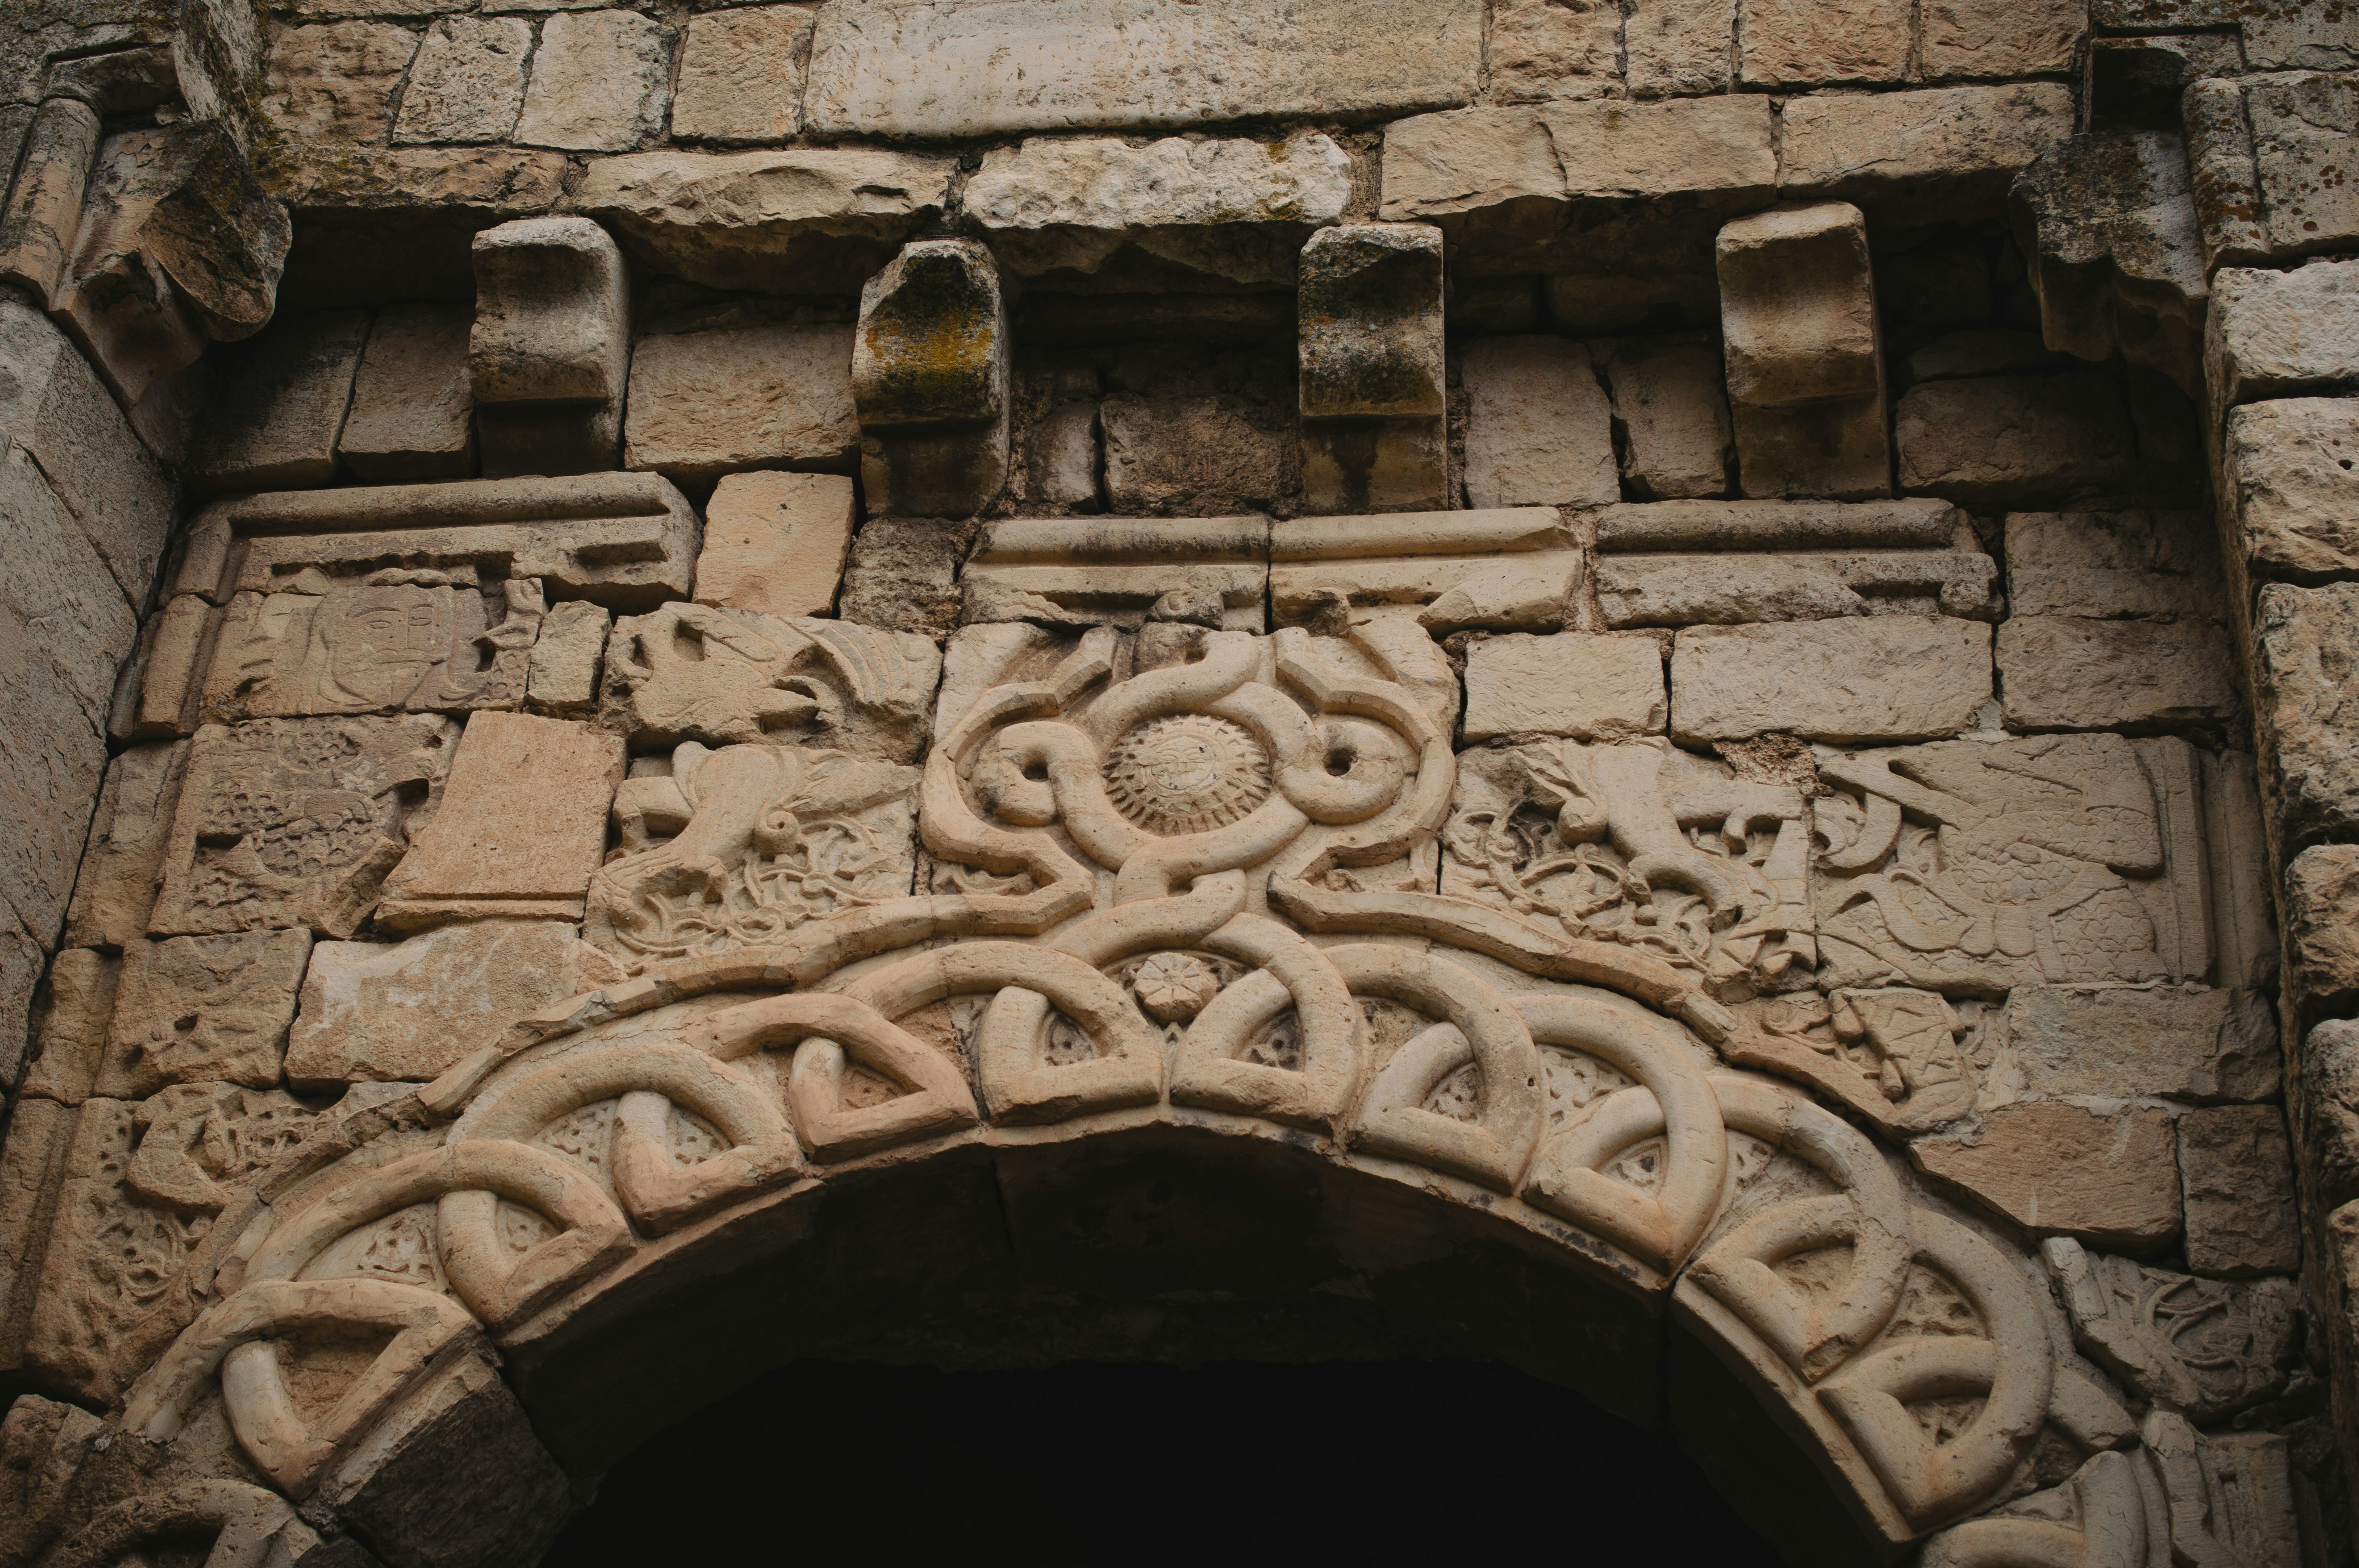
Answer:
(1174, 987)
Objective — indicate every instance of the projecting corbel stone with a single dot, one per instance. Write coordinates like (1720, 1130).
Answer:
(550, 349)
(1805, 357)
(1375, 435)
(929, 379)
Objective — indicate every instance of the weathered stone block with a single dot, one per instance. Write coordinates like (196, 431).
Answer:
(976, 67)
(521, 826)
(32, 1173)
(202, 1009)
(1541, 49)
(1840, 450)
(1371, 312)
(598, 83)
(1733, 590)
(564, 677)
(412, 415)
(1915, 523)
(2068, 672)
(1572, 683)
(2330, 1072)
(2106, 564)
(2238, 1173)
(70, 1026)
(372, 1012)
(122, 866)
(2321, 930)
(1539, 430)
(2294, 500)
(2305, 675)
(497, 182)
(1673, 416)
(1801, 43)
(775, 542)
(1207, 455)
(2282, 334)
(817, 221)
(902, 573)
(1998, 39)
(335, 83)
(1940, 143)
(2058, 1169)
(1680, 47)
(2305, 155)
(276, 404)
(2152, 1040)
(550, 346)
(37, 229)
(933, 342)
(1887, 678)
(467, 83)
(705, 403)
(741, 75)
(2016, 439)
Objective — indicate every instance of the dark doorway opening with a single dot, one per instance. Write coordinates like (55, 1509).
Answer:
(1232, 1462)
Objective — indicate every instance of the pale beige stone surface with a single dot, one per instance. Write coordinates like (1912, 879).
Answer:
(1541, 50)
(123, 865)
(521, 824)
(1915, 523)
(1798, 306)
(2238, 1173)
(563, 677)
(704, 404)
(599, 81)
(1673, 416)
(500, 182)
(2304, 154)
(1865, 145)
(372, 1013)
(1573, 683)
(70, 1026)
(1371, 311)
(2306, 641)
(336, 82)
(2282, 334)
(1436, 165)
(1805, 43)
(550, 348)
(1971, 38)
(2321, 928)
(1887, 678)
(202, 1009)
(2016, 438)
(2069, 672)
(1197, 454)
(467, 83)
(1538, 429)
(37, 227)
(276, 404)
(1733, 590)
(2282, 467)
(1680, 46)
(963, 67)
(2107, 564)
(775, 542)
(2060, 1170)
(412, 415)
(2157, 1039)
(741, 75)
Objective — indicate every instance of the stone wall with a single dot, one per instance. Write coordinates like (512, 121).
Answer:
(1700, 640)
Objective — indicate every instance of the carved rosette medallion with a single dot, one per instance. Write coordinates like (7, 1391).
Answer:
(1188, 774)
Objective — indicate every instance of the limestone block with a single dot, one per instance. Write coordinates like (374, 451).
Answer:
(336, 82)
(902, 573)
(2243, 918)
(294, 822)
(2330, 1068)
(2106, 564)
(521, 826)
(467, 84)
(1916, 524)
(1539, 430)
(929, 379)
(374, 1013)
(1541, 50)
(1801, 43)
(202, 1009)
(1374, 465)
(1194, 454)
(1121, 572)
(1798, 306)
(2227, 187)
(2000, 39)
(2016, 439)
(1887, 678)
(1438, 165)
(1931, 145)
(1573, 683)
(2054, 1169)
(2293, 500)
(741, 75)
(21, 960)
(1371, 310)
(1235, 207)
(2199, 1345)
(2321, 929)
(2278, 37)
(37, 227)
(276, 404)
(2066, 672)
(705, 403)
(819, 219)
(2283, 334)
(598, 83)
(966, 68)
(72, 622)
(564, 677)
(2153, 1040)
(412, 415)
(1982, 350)
(550, 345)
(2306, 643)
(122, 866)
(32, 1174)
(490, 182)
(2238, 1172)
(1841, 451)
(1680, 47)
(2107, 222)
(775, 542)
(1507, 570)
(1733, 590)
(69, 1025)
(1673, 416)
(2304, 156)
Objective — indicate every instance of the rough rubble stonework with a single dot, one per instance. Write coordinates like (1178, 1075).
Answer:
(1710, 639)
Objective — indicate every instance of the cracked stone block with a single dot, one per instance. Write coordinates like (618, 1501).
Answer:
(202, 1009)
(467, 83)
(550, 347)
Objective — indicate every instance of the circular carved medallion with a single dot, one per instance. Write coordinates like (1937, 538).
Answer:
(1188, 774)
